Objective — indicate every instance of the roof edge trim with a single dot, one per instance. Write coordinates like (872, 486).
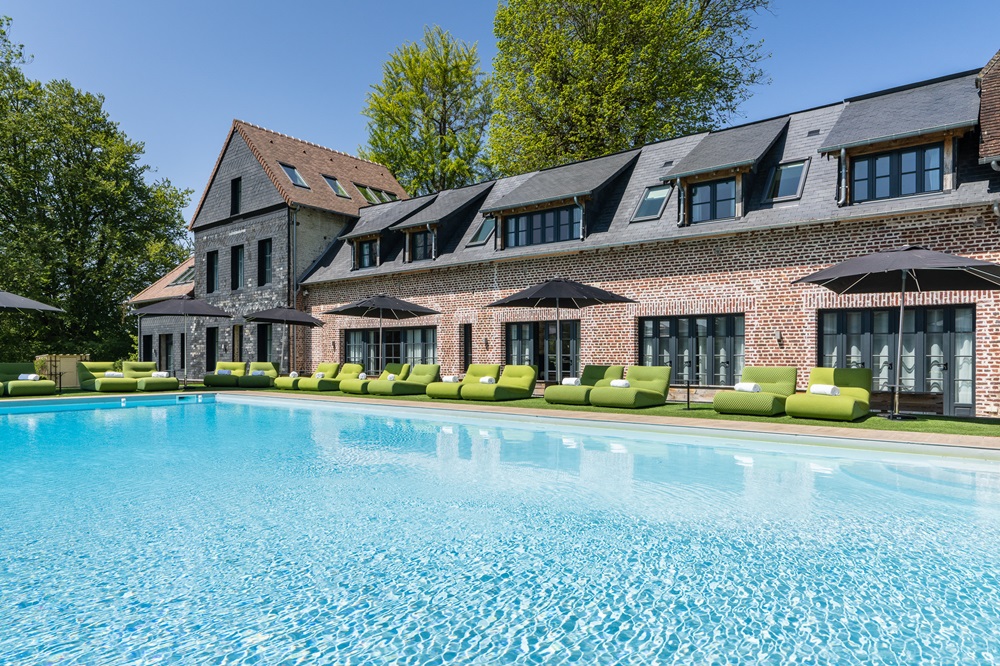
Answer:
(824, 150)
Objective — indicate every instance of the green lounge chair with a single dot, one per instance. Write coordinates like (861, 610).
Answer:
(516, 383)
(852, 403)
(593, 375)
(331, 381)
(215, 380)
(266, 380)
(415, 383)
(12, 386)
(91, 374)
(453, 390)
(292, 383)
(647, 388)
(776, 384)
(142, 372)
(360, 386)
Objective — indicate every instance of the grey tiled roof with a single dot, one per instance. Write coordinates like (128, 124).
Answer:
(736, 147)
(447, 202)
(374, 219)
(920, 109)
(565, 182)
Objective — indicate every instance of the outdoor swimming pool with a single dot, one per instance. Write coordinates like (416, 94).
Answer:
(255, 531)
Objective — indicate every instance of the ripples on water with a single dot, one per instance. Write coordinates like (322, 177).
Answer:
(238, 533)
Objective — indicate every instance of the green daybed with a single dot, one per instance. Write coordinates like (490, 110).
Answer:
(647, 388)
(215, 380)
(516, 382)
(92, 378)
(776, 384)
(453, 390)
(142, 372)
(292, 383)
(360, 386)
(12, 386)
(852, 403)
(330, 381)
(415, 383)
(266, 380)
(593, 375)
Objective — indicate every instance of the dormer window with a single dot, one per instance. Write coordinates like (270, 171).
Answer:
(786, 180)
(366, 253)
(713, 200)
(548, 226)
(486, 230)
(337, 188)
(294, 176)
(654, 199)
(421, 246)
(898, 173)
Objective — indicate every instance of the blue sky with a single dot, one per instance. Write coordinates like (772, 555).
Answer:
(175, 74)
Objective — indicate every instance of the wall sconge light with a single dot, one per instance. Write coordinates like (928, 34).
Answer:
(486, 343)
(305, 292)
(777, 336)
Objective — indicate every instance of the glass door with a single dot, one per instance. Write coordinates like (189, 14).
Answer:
(568, 357)
(166, 361)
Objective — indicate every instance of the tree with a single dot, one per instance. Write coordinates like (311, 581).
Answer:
(428, 116)
(80, 227)
(581, 78)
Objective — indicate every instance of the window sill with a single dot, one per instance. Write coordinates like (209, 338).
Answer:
(919, 195)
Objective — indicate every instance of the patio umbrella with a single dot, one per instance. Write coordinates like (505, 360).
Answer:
(286, 316)
(9, 301)
(559, 293)
(383, 307)
(181, 306)
(891, 270)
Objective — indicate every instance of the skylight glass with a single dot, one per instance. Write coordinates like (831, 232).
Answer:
(786, 180)
(485, 231)
(653, 201)
(337, 188)
(370, 196)
(186, 276)
(293, 175)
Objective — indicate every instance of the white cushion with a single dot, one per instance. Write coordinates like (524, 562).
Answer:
(824, 389)
(114, 375)
(160, 374)
(747, 387)
(391, 378)
(620, 383)
(223, 372)
(487, 380)
(256, 373)
(450, 379)
(293, 374)
(29, 377)
(571, 381)
(363, 375)
(319, 375)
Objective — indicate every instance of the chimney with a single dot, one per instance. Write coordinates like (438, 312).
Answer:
(989, 111)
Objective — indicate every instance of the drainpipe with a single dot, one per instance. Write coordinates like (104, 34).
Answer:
(843, 178)
(995, 165)
(583, 222)
(681, 205)
(294, 278)
(434, 242)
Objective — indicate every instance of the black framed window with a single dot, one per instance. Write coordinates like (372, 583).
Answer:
(337, 188)
(211, 347)
(402, 345)
(264, 248)
(707, 350)
(534, 343)
(147, 348)
(787, 180)
(650, 207)
(714, 200)
(897, 173)
(294, 175)
(365, 253)
(264, 340)
(549, 226)
(235, 195)
(466, 346)
(484, 232)
(212, 272)
(421, 246)
(236, 267)
(183, 350)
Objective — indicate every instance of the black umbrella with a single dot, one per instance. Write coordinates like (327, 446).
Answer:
(889, 270)
(180, 306)
(559, 293)
(286, 316)
(9, 301)
(383, 307)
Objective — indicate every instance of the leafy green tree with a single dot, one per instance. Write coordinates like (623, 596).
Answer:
(80, 226)
(428, 116)
(580, 78)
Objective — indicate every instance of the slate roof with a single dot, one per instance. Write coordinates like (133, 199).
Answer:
(565, 182)
(737, 147)
(446, 203)
(378, 218)
(937, 105)
(312, 161)
(165, 287)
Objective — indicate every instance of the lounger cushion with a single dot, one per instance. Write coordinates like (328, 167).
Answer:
(415, 383)
(335, 374)
(150, 384)
(453, 391)
(515, 383)
(360, 386)
(265, 380)
(216, 380)
(852, 403)
(647, 388)
(593, 375)
(91, 374)
(12, 386)
(776, 384)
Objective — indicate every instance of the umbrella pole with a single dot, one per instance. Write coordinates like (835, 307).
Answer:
(187, 345)
(381, 343)
(899, 352)
(139, 340)
(558, 346)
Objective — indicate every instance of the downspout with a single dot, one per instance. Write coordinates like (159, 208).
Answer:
(681, 205)
(434, 241)
(995, 165)
(583, 220)
(294, 280)
(843, 178)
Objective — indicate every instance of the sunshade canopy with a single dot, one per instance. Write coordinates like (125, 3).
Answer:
(561, 293)
(386, 307)
(926, 271)
(9, 301)
(181, 307)
(284, 316)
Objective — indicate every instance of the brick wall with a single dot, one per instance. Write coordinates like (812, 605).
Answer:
(989, 109)
(747, 273)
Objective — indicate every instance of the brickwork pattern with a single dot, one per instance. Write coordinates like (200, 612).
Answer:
(989, 109)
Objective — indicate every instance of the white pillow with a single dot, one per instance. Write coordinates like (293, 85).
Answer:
(114, 375)
(747, 387)
(824, 389)
(620, 383)
(29, 377)
(160, 374)
(319, 375)
(391, 378)
(450, 379)
(223, 372)
(363, 375)
(256, 373)
(571, 381)
(293, 374)
(487, 380)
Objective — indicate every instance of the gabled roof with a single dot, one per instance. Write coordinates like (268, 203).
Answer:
(565, 182)
(446, 203)
(178, 282)
(312, 161)
(378, 218)
(922, 108)
(732, 148)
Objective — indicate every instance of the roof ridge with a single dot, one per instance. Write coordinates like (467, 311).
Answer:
(911, 86)
(308, 143)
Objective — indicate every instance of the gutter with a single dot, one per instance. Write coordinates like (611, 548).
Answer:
(826, 150)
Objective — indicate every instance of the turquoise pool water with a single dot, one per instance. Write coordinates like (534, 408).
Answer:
(248, 531)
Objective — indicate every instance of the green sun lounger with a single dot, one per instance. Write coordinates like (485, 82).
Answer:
(266, 380)
(359, 386)
(516, 382)
(333, 374)
(415, 383)
(142, 372)
(852, 403)
(593, 375)
(776, 384)
(12, 386)
(647, 388)
(453, 390)
(92, 378)
(215, 380)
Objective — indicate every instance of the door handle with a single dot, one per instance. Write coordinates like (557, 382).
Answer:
(944, 367)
